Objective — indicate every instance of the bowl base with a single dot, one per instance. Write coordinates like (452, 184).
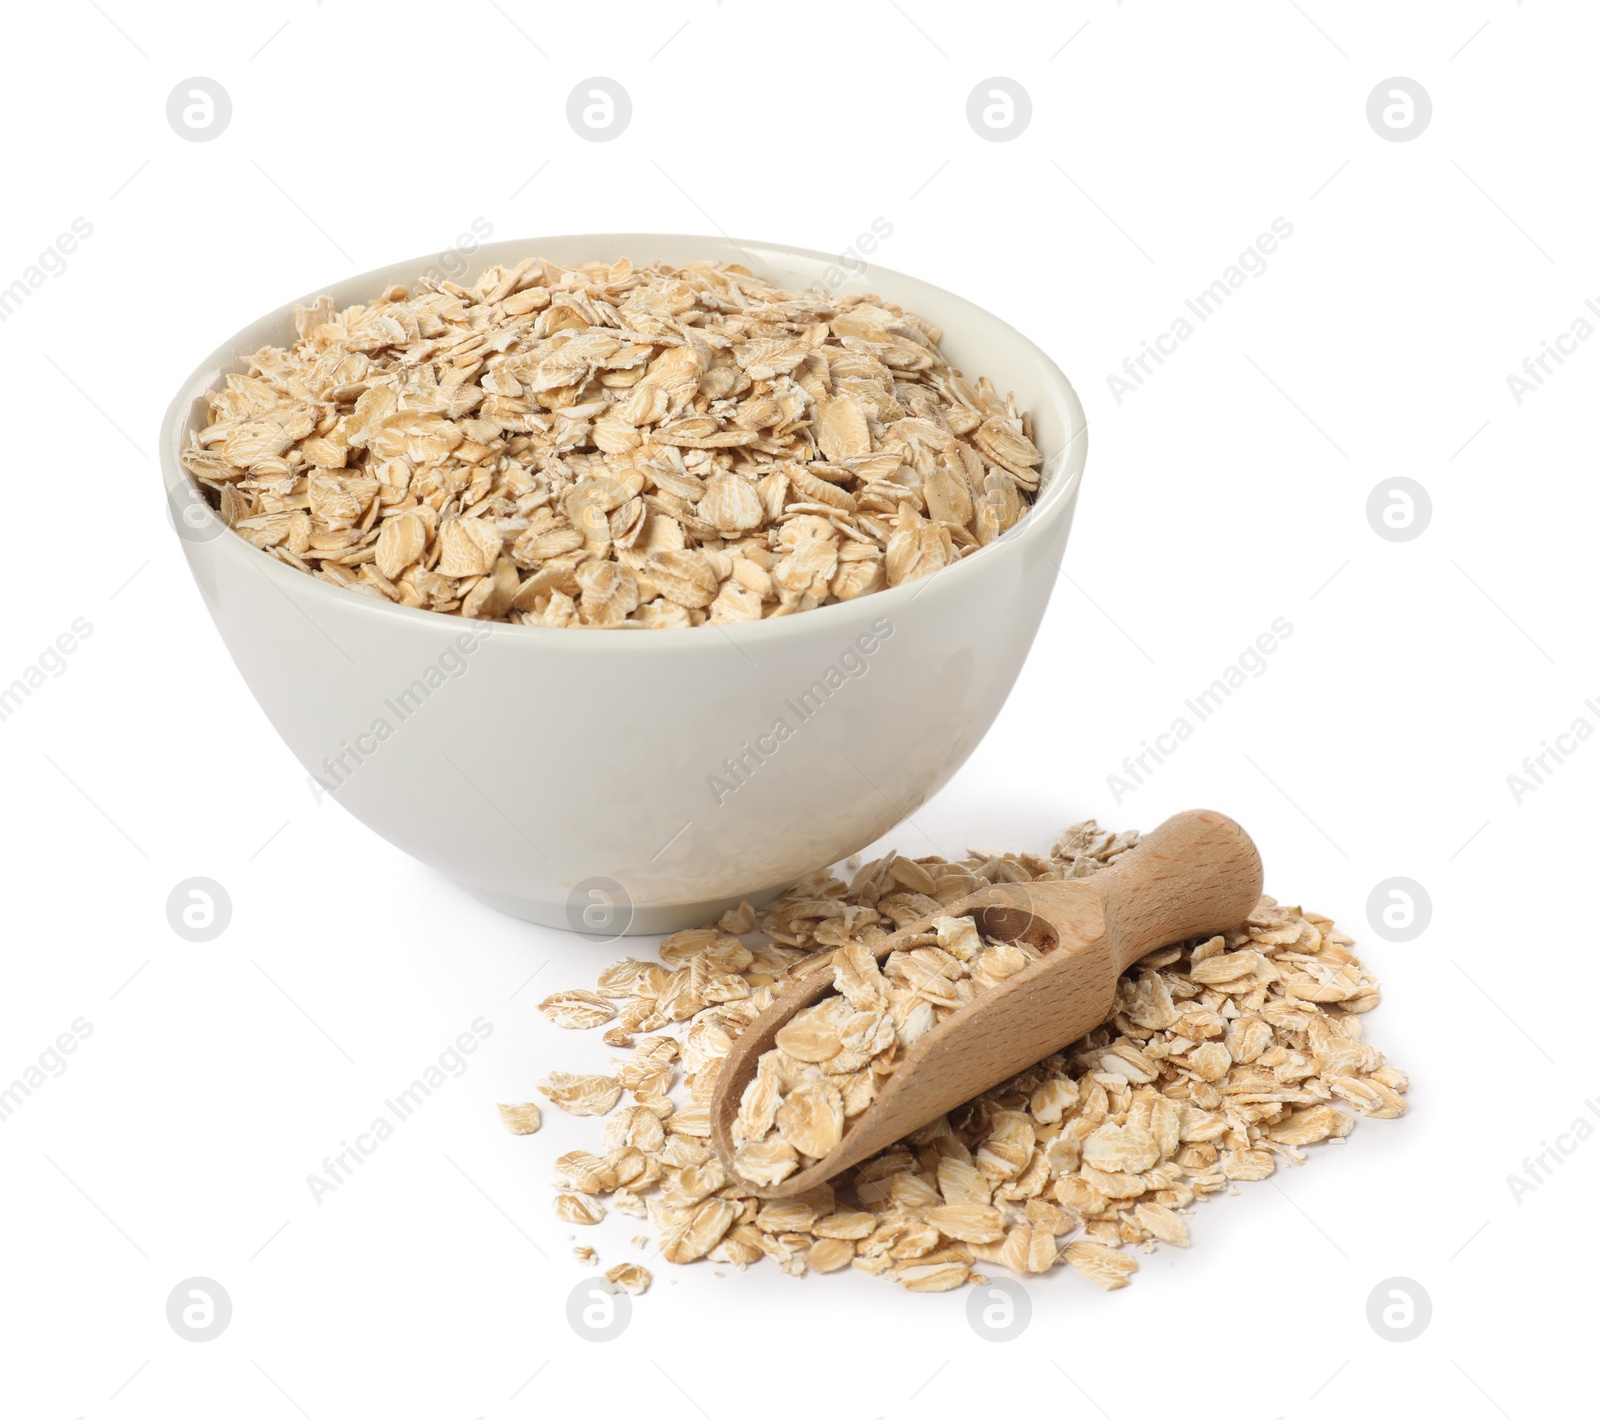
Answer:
(642, 921)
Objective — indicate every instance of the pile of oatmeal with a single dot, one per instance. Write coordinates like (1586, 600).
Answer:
(1225, 1057)
(609, 445)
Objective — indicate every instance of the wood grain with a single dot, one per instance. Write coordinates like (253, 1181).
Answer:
(1197, 873)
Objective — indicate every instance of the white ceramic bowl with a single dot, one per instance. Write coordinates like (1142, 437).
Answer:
(582, 778)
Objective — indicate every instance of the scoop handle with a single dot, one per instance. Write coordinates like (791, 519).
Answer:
(1195, 874)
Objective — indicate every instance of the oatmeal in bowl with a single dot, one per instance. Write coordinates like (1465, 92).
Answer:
(604, 445)
(420, 512)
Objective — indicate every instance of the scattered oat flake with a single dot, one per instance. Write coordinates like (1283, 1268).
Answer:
(520, 1118)
(630, 1277)
(1104, 1266)
(577, 1010)
(575, 1208)
(1162, 1223)
(581, 1094)
(931, 1276)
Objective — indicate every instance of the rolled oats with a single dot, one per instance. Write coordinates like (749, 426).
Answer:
(520, 1118)
(575, 1208)
(581, 1094)
(630, 1277)
(577, 1010)
(829, 1062)
(1224, 1058)
(607, 445)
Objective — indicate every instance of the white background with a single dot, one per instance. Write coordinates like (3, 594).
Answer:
(1230, 489)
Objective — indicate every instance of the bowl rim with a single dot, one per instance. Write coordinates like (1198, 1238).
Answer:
(1055, 498)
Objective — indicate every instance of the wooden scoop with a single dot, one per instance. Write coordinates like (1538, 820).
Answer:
(1196, 874)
